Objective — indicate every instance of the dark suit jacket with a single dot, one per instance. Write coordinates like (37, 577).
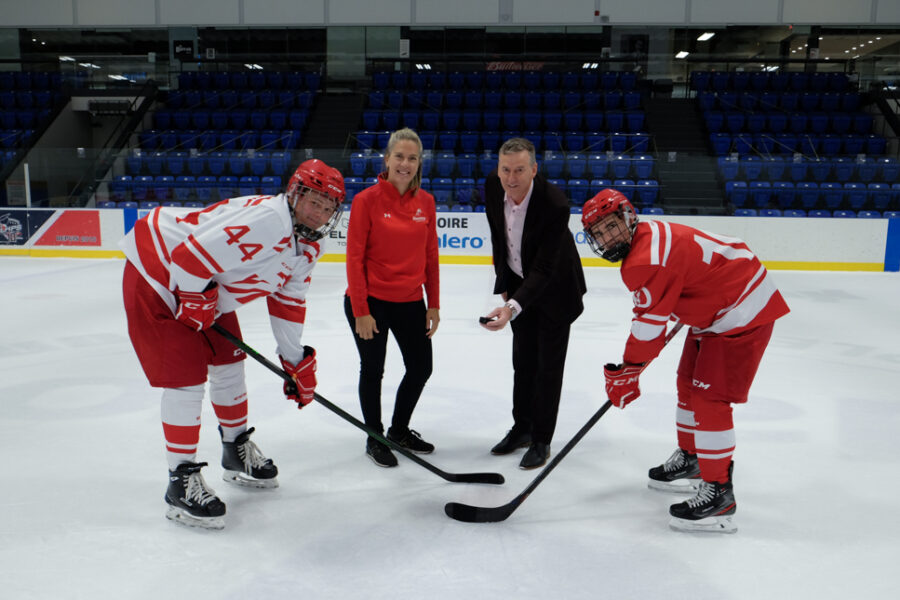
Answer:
(554, 280)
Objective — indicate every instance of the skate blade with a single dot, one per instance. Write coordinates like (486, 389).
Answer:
(722, 524)
(182, 517)
(242, 479)
(679, 486)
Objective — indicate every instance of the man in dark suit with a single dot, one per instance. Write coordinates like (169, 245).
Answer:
(539, 276)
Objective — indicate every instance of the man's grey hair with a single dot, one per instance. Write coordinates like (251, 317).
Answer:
(516, 145)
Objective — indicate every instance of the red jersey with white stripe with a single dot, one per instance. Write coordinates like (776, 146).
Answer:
(246, 245)
(392, 247)
(712, 282)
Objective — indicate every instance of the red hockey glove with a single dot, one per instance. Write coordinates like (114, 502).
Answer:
(622, 383)
(197, 310)
(303, 389)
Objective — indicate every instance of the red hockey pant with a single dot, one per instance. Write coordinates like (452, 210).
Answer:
(715, 372)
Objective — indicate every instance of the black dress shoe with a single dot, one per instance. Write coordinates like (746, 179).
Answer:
(512, 442)
(536, 456)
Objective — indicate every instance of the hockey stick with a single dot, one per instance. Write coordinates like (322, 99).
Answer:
(480, 514)
(495, 478)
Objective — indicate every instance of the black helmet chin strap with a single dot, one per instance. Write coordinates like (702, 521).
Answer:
(617, 252)
(301, 231)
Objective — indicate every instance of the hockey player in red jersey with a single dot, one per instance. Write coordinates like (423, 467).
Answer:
(718, 286)
(188, 270)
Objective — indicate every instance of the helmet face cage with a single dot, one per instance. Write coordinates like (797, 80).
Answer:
(306, 232)
(315, 176)
(606, 203)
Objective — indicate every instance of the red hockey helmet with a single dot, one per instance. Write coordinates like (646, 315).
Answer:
(316, 176)
(616, 245)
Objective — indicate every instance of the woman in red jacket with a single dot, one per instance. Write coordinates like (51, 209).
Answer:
(392, 254)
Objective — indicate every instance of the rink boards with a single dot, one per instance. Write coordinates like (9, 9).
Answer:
(464, 238)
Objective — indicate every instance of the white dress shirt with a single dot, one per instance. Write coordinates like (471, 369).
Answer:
(514, 221)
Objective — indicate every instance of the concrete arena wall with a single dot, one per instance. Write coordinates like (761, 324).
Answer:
(464, 238)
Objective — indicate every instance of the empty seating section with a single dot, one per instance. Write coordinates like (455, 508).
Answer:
(26, 100)
(218, 135)
(588, 128)
(796, 142)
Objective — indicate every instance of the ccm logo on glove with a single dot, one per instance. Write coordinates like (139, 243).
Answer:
(622, 383)
(197, 310)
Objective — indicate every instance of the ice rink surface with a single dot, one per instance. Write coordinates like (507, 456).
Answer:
(817, 466)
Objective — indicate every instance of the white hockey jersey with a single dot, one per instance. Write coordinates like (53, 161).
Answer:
(246, 245)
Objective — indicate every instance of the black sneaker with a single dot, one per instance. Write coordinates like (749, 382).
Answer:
(711, 509)
(410, 440)
(245, 465)
(680, 473)
(380, 454)
(192, 502)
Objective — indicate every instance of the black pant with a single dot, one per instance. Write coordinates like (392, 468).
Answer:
(540, 342)
(406, 320)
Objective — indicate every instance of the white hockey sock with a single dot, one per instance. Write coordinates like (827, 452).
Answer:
(180, 411)
(228, 393)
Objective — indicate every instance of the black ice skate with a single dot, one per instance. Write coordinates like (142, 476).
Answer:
(191, 501)
(711, 510)
(680, 473)
(245, 465)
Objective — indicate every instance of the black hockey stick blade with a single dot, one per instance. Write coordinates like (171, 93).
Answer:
(481, 514)
(492, 478)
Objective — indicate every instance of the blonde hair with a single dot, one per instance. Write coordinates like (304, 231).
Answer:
(406, 135)
(516, 145)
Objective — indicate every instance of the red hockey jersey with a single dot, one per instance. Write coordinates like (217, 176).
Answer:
(712, 282)
(246, 245)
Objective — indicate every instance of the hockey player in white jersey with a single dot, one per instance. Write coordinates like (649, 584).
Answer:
(188, 270)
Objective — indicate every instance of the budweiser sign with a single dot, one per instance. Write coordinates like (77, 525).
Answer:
(512, 65)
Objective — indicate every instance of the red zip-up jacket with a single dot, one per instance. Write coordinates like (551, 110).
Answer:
(392, 247)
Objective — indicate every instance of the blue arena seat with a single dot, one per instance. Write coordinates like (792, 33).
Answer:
(784, 193)
(465, 165)
(576, 165)
(831, 193)
(647, 191)
(120, 187)
(578, 190)
(855, 194)
(598, 185)
(760, 193)
(736, 192)
(879, 195)
(227, 186)
(553, 165)
(807, 193)
(627, 187)
(205, 187)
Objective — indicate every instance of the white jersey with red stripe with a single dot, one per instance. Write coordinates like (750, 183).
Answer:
(712, 282)
(246, 245)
